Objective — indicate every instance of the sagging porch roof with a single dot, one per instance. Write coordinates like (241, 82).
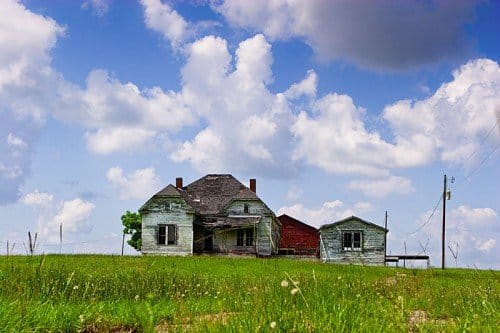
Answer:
(223, 222)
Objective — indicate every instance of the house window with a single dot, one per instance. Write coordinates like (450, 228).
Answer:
(351, 240)
(240, 236)
(167, 207)
(171, 234)
(244, 237)
(167, 234)
(245, 208)
(249, 237)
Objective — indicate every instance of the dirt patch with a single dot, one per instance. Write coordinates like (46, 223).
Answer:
(187, 323)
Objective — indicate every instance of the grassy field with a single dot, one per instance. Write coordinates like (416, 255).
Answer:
(122, 294)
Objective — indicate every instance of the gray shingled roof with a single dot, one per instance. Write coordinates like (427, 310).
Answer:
(169, 190)
(209, 194)
(355, 218)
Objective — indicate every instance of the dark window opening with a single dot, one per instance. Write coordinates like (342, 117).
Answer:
(162, 233)
(167, 234)
(171, 234)
(352, 241)
(347, 240)
(245, 208)
(249, 237)
(240, 235)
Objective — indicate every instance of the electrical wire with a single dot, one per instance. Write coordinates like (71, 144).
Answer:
(429, 218)
(482, 141)
(481, 163)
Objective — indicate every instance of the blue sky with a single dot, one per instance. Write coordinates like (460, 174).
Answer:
(336, 109)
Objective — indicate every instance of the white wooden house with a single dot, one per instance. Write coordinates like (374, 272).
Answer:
(214, 214)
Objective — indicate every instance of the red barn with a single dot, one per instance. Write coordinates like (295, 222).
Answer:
(297, 238)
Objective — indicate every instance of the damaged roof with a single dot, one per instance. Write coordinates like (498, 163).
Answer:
(210, 194)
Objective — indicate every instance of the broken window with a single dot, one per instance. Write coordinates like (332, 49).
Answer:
(162, 232)
(244, 237)
(352, 240)
(171, 234)
(249, 237)
(167, 234)
(240, 236)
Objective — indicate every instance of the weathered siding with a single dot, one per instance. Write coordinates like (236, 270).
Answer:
(372, 248)
(266, 234)
(173, 210)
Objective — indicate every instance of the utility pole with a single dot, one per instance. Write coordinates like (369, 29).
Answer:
(60, 238)
(444, 223)
(123, 242)
(385, 239)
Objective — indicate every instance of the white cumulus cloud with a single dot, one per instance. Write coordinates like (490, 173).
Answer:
(136, 185)
(162, 18)
(380, 188)
(329, 212)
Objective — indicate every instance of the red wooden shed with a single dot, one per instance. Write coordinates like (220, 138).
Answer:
(298, 238)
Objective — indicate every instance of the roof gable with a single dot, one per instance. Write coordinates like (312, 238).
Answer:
(170, 191)
(353, 218)
(284, 218)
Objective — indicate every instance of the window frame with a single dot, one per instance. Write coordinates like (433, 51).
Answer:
(248, 237)
(245, 237)
(162, 234)
(240, 237)
(350, 243)
(167, 234)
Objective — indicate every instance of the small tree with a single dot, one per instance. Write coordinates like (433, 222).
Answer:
(133, 223)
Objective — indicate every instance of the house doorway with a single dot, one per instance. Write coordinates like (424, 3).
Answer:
(208, 242)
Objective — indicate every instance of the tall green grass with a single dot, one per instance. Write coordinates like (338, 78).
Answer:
(212, 294)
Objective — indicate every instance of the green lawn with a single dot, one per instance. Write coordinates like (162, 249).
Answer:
(110, 293)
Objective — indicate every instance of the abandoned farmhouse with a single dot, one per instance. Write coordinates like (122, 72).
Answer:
(217, 214)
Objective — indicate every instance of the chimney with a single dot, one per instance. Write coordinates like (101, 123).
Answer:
(253, 185)
(178, 182)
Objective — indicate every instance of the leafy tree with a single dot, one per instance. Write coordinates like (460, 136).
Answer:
(133, 223)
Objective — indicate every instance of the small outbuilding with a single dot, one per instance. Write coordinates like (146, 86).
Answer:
(353, 241)
(297, 237)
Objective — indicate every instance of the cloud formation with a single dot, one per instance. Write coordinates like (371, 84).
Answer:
(470, 231)
(378, 35)
(381, 188)
(73, 215)
(137, 185)
(161, 18)
(26, 90)
(329, 212)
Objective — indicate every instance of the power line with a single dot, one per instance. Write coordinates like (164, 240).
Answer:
(482, 162)
(430, 216)
(482, 141)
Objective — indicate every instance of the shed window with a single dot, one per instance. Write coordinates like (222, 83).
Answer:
(352, 240)
(167, 234)
(244, 237)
